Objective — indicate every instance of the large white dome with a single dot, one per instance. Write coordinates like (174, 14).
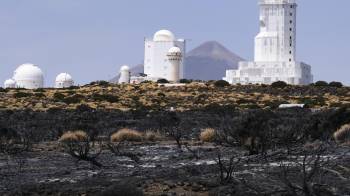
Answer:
(64, 80)
(10, 83)
(125, 68)
(164, 36)
(29, 76)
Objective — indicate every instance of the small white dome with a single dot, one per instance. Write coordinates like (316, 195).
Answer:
(63, 77)
(125, 68)
(175, 50)
(163, 36)
(29, 76)
(64, 80)
(10, 83)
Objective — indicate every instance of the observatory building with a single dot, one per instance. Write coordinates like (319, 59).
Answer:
(157, 64)
(10, 83)
(64, 80)
(28, 76)
(124, 75)
(175, 58)
(275, 49)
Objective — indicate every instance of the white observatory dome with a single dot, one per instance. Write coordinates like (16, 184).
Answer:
(164, 36)
(10, 83)
(64, 80)
(124, 75)
(29, 76)
(174, 50)
(124, 68)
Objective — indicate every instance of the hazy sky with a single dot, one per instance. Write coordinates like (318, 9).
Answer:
(91, 39)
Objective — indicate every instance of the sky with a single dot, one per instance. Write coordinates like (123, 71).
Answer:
(91, 39)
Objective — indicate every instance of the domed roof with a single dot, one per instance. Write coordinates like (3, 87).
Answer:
(28, 72)
(62, 77)
(10, 82)
(124, 68)
(163, 36)
(175, 50)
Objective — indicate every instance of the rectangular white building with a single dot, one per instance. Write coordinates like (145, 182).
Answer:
(275, 49)
(156, 62)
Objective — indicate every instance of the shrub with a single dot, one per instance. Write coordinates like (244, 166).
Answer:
(162, 81)
(100, 83)
(3, 90)
(39, 95)
(342, 135)
(321, 83)
(105, 97)
(336, 84)
(221, 83)
(21, 95)
(74, 136)
(185, 81)
(208, 135)
(279, 84)
(39, 90)
(59, 96)
(73, 99)
(152, 136)
(126, 135)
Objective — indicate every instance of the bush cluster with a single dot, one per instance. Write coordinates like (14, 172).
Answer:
(221, 83)
(22, 94)
(126, 135)
(208, 135)
(279, 84)
(342, 135)
(105, 97)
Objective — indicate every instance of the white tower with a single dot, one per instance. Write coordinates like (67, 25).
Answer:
(275, 49)
(277, 38)
(64, 80)
(124, 75)
(174, 57)
(156, 63)
(10, 83)
(29, 76)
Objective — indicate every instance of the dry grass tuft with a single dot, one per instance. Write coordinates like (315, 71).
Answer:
(208, 135)
(342, 136)
(74, 136)
(152, 136)
(126, 135)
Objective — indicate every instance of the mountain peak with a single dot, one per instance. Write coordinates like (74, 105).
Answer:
(214, 50)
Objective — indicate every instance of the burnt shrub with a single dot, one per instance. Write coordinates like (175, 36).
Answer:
(279, 84)
(321, 83)
(22, 94)
(126, 187)
(162, 81)
(221, 83)
(336, 84)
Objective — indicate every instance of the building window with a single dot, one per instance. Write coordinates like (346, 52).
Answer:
(290, 52)
(291, 22)
(291, 14)
(290, 60)
(291, 6)
(290, 37)
(290, 29)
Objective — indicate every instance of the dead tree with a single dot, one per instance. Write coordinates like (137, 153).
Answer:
(227, 168)
(79, 146)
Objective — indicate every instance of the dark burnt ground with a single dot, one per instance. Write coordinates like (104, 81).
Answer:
(163, 170)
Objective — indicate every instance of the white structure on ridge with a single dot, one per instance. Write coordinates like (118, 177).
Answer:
(124, 75)
(28, 76)
(64, 80)
(275, 49)
(156, 62)
(10, 83)
(175, 58)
